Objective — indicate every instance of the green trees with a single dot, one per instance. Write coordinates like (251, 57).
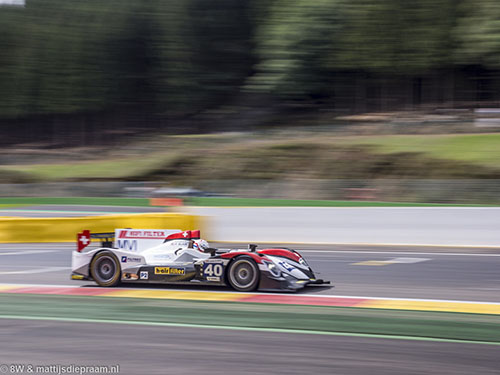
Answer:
(294, 42)
(478, 33)
(164, 59)
(60, 56)
(204, 52)
(303, 43)
(395, 36)
(62, 51)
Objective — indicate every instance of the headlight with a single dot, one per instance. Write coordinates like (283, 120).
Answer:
(273, 269)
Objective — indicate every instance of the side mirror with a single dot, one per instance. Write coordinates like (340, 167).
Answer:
(210, 250)
(252, 247)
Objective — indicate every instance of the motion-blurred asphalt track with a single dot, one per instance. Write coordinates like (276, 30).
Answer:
(354, 270)
(373, 271)
(155, 350)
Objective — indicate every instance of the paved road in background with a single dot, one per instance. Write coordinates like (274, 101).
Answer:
(161, 350)
(360, 270)
(357, 271)
(453, 226)
(457, 226)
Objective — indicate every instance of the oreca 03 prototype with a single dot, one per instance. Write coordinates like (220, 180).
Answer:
(182, 257)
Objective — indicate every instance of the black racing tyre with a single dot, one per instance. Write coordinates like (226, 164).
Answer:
(243, 274)
(105, 269)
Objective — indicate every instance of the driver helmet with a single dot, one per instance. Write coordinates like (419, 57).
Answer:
(200, 245)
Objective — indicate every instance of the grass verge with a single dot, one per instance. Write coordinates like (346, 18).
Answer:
(189, 160)
(478, 149)
(454, 326)
(214, 202)
(6, 206)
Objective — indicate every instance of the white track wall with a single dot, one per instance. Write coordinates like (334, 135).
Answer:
(457, 226)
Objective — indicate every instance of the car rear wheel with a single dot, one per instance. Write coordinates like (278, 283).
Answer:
(243, 274)
(105, 269)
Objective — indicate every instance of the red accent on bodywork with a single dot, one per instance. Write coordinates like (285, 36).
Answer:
(281, 253)
(254, 256)
(186, 235)
(83, 240)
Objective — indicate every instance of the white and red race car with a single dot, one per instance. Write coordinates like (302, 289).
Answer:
(172, 257)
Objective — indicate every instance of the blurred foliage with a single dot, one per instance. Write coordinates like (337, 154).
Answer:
(192, 161)
(293, 43)
(478, 33)
(60, 56)
(302, 41)
(166, 59)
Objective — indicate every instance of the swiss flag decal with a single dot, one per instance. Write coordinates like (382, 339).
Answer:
(83, 240)
(186, 235)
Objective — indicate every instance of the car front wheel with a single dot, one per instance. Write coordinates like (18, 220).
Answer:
(243, 274)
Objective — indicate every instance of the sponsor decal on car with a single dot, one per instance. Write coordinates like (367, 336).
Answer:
(213, 278)
(143, 275)
(129, 245)
(147, 234)
(181, 243)
(286, 266)
(169, 271)
(218, 261)
(162, 256)
(126, 259)
(213, 271)
(137, 240)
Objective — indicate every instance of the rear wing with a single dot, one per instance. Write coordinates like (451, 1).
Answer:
(85, 238)
(135, 240)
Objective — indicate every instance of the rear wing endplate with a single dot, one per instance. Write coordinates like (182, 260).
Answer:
(85, 238)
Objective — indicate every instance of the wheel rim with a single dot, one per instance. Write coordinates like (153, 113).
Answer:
(105, 268)
(243, 274)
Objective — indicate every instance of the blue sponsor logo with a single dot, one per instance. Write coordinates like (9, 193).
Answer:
(287, 266)
(127, 245)
(126, 259)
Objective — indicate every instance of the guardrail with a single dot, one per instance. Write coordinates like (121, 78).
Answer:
(64, 229)
(487, 117)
